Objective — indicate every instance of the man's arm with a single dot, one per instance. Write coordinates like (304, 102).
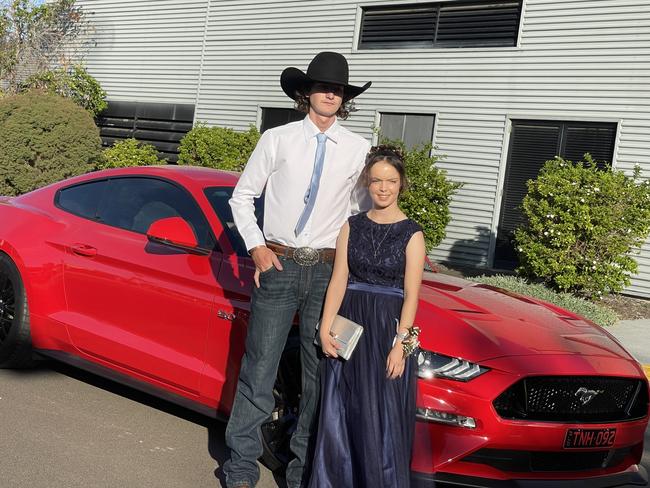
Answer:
(250, 186)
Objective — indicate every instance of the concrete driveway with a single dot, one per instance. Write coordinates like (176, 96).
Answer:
(62, 428)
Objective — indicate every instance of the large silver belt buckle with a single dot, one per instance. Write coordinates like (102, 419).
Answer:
(305, 256)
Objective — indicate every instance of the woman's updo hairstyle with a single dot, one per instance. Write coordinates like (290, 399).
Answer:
(385, 153)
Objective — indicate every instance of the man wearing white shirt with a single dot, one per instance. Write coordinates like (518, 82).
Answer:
(308, 171)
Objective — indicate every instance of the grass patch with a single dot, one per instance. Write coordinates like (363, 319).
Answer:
(598, 314)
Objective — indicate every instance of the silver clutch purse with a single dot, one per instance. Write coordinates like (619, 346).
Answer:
(346, 333)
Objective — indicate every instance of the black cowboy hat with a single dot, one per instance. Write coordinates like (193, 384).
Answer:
(326, 67)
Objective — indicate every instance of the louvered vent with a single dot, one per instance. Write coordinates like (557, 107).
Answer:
(162, 125)
(442, 24)
(478, 24)
(403, 26)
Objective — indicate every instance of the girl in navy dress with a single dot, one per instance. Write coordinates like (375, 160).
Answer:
(367, 415)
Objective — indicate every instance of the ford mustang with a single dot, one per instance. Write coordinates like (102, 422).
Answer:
(139, 275)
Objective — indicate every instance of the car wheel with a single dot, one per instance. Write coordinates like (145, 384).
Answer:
(276, 432)
(15, 342)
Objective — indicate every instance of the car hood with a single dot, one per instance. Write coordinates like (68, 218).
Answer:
(477, 322)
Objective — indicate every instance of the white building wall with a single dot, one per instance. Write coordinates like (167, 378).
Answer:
(576, 60)
(148, 51)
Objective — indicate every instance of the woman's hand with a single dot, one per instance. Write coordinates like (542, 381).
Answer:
(396, 362)
(328, 344)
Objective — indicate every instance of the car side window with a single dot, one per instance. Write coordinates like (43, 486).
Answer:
(218, 197)
(134, 203)
(82, 200)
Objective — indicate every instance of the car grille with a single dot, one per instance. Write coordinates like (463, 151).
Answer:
(574, 399)
(541, 461)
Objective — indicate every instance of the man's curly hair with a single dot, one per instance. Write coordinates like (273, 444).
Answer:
(393, 155)
(302, 105)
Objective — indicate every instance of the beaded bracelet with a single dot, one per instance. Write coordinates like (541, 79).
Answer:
(409, 340)
(411, 343)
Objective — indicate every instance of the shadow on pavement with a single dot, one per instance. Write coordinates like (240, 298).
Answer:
(215, 429)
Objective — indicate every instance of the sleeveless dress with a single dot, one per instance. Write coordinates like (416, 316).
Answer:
(366, 423)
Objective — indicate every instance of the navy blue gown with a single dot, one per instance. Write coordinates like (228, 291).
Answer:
(366, 424)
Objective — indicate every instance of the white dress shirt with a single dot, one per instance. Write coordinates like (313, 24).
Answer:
(281, 166)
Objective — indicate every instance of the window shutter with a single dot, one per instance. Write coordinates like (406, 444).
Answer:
(398, 26)
(597, 139)
(531, 147)
(441, 24)
(478, 23)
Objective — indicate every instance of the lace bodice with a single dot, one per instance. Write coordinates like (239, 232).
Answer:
(377, 252)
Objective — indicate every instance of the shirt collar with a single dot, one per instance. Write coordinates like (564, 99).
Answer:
(310, 130)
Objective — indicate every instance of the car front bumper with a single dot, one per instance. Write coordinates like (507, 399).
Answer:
(499, 452)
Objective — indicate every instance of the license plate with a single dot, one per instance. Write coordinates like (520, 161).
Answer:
(577, 438)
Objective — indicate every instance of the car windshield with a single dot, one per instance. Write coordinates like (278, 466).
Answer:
(218, 197)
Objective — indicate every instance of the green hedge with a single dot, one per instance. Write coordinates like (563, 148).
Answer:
(45, 138)
(129, 152)
(583, 226)
(217, 147)
(74, 83)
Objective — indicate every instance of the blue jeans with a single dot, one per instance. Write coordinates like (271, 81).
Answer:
(274, 304)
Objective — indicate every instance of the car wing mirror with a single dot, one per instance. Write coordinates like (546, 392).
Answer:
(174, 232)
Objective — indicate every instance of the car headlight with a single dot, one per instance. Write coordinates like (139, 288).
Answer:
(431, 364)
(432, 415)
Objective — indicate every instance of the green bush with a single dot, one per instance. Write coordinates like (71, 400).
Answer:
(582, 226)
(45, 138)
(217, 147)
(428, 194)
(74, 83)
(129, 152)
(596, 313)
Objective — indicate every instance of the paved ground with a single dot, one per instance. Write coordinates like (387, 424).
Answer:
(64, 429)
(61, 428)
(635, 336)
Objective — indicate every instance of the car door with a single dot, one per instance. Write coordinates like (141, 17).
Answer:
(232, 303)
(138, 306)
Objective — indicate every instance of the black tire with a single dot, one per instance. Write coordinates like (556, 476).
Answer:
(276, 432)
(15, 341)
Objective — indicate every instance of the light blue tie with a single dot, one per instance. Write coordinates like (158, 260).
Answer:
(312, 192)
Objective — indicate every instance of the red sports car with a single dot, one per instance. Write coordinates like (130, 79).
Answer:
(139, 274)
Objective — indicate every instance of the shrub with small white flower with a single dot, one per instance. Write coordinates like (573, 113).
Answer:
(584, 225)
(428, 195)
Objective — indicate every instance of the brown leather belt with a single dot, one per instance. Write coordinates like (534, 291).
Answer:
(304, 256)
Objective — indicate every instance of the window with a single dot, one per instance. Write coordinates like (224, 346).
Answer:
(135, 203)
(532, 143)
(218, 198)
(452, 24)
(413, 129)
(83, 199)
(274, 117)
